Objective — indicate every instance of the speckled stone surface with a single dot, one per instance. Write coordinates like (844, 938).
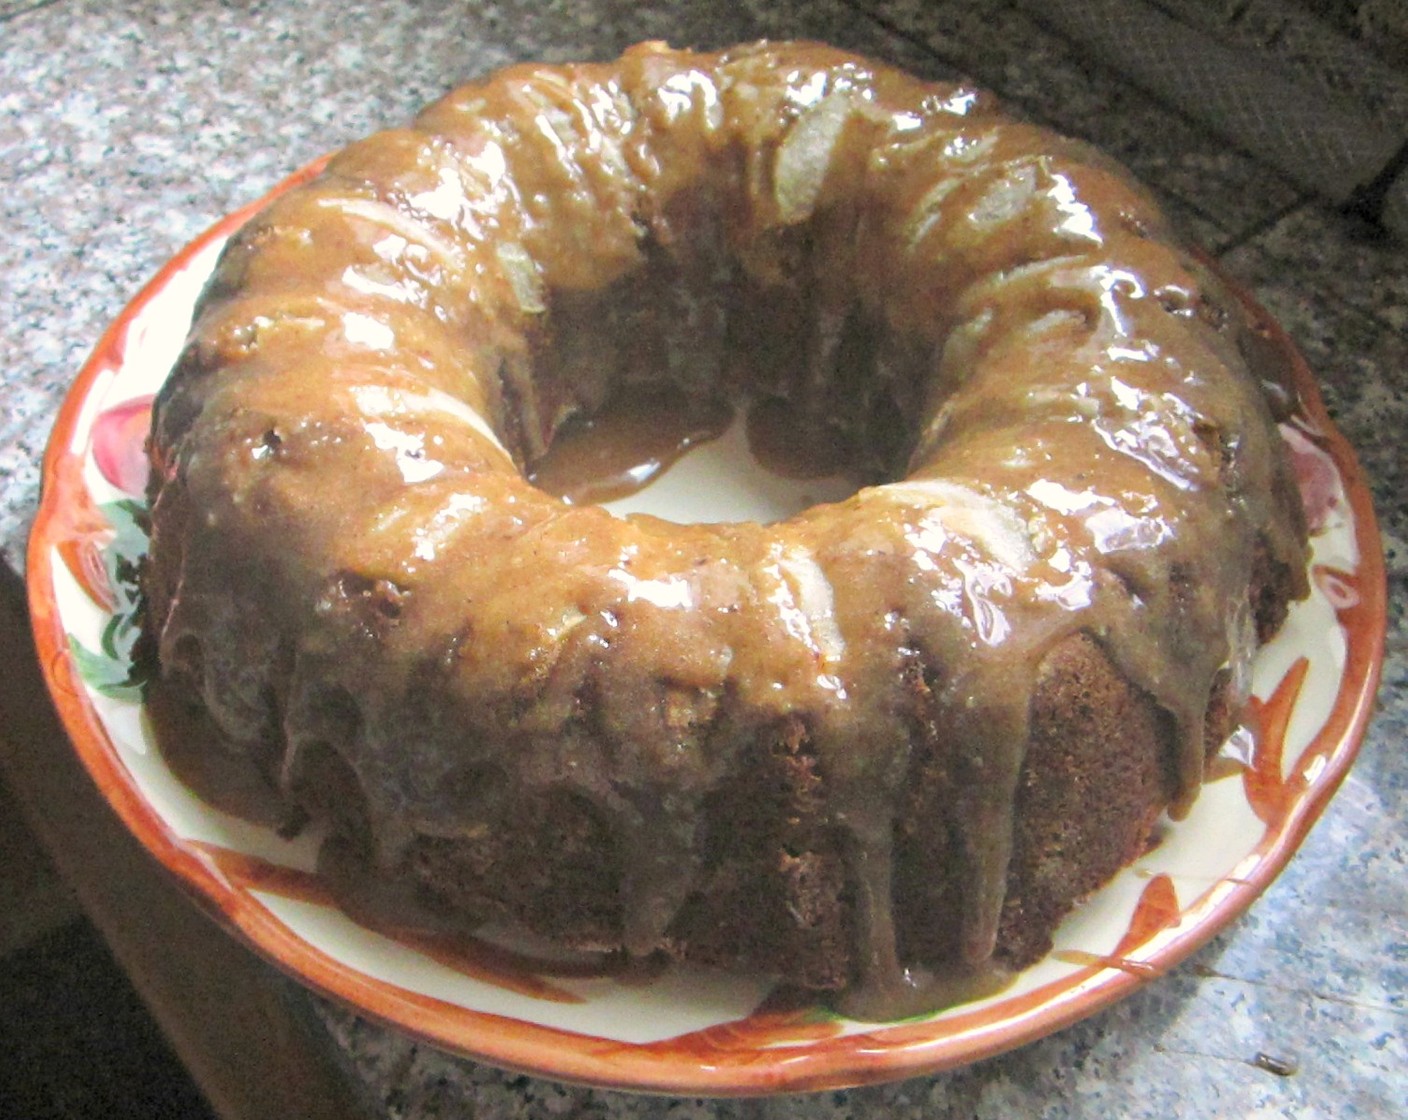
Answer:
(127, 128)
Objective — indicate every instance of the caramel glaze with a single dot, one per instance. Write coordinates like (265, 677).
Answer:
(1045, 393)
(625, 446)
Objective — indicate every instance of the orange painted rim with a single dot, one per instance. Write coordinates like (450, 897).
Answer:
(730, 1060)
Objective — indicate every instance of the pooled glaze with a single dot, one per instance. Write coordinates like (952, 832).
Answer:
(624, 447)
(988, 324)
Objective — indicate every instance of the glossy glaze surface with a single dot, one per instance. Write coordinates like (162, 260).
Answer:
(991, 324)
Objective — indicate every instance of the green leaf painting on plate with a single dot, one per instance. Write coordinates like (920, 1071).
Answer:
(116, 669)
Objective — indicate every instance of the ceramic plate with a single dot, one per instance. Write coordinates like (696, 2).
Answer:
(504, 1001)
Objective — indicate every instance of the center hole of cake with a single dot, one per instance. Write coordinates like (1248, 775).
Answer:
(693, 461)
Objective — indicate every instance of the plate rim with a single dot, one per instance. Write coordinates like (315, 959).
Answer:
(885, 1053)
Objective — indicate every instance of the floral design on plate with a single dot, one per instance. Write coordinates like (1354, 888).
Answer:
(104, 549)
(501, 999)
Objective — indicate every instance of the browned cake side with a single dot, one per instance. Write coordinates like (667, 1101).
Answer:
(774, 898)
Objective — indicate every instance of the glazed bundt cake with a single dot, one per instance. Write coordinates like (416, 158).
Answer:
(879, 748)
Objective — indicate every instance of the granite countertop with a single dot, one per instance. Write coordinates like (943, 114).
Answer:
(127, 128)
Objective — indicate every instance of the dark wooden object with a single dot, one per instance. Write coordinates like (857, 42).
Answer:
(244, 1031)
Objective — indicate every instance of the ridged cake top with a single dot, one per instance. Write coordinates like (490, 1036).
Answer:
(992, 325)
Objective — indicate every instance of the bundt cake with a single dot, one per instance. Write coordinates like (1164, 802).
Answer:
(879, 748)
